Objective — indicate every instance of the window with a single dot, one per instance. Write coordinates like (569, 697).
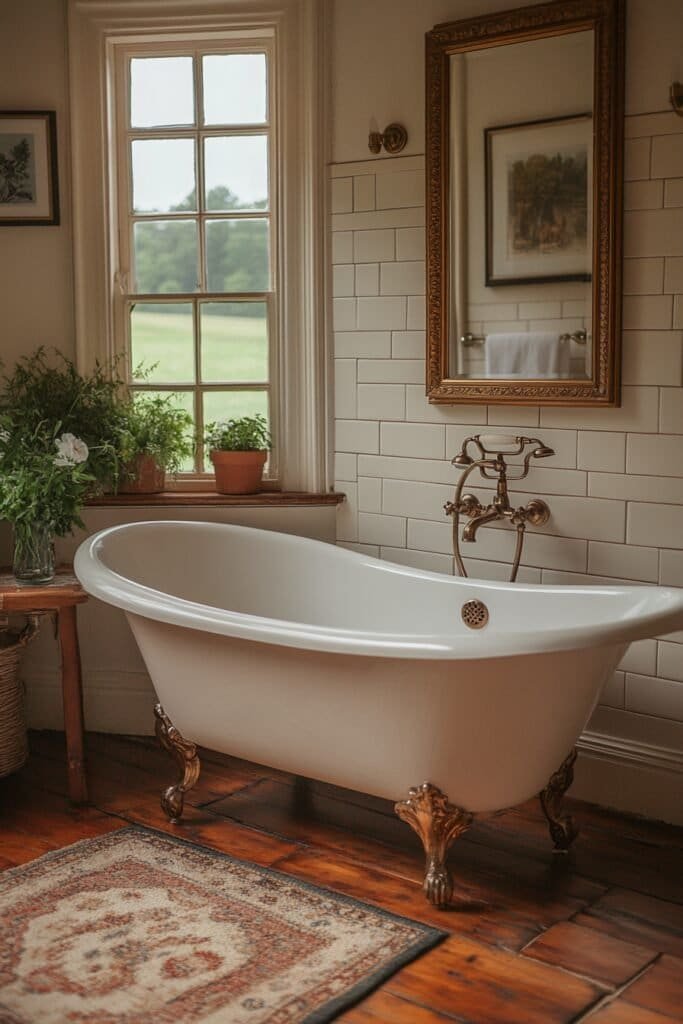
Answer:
(198, 212)
(197, 170)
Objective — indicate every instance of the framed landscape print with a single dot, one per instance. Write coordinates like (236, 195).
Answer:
(29, 192)
(538, 206)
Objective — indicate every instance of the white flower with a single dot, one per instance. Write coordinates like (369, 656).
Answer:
(4, 436)
(71, 450)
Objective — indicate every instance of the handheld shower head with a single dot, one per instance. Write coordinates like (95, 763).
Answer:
(462, 460)
(543, 452)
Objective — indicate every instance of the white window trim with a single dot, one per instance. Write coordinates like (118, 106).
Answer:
(94, 27)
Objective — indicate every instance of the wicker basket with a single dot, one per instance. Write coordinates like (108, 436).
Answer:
(13, 740)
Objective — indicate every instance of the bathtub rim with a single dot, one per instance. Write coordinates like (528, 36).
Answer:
(110, 586)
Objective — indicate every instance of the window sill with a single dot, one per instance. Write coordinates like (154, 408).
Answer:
(212, 498)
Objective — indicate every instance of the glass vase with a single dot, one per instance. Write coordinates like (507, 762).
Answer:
(34, 553)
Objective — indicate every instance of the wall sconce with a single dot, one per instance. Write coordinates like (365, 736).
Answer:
(676, 97)
(393, 138)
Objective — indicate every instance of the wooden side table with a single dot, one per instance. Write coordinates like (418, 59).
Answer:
(61, 596)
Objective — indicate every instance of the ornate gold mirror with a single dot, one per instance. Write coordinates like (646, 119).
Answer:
(524, 205)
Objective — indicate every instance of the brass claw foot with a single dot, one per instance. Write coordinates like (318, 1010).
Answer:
(437, 823)
(563, 831)
(184, 754)
(437, 885)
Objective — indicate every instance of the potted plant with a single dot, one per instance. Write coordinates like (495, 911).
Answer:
(152, 439)
(44, 480)
(45, 394)
(57, 431)
(238, 449)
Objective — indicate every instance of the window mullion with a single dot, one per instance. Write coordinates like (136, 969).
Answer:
(198, 403)
(120, 196)
(206, 296)
(199, 159)
(274, 371)
(179, 131)
(191, 215)
(242, 385)
(201, 255)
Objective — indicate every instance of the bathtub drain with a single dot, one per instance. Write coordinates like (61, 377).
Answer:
(475, 614)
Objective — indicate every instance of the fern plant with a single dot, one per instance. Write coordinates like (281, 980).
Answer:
(154, 425)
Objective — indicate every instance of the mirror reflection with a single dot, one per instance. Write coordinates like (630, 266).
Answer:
(524, 205)
(521, 232)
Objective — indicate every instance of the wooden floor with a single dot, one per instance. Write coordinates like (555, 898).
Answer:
(535, 939)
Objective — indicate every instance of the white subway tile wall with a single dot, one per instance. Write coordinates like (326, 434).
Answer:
(615, 486)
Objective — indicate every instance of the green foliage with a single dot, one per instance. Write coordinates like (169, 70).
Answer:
(154, 425)
(237, 252)
(249, 433)
(46, 392)
(37, 483)
(56, 443)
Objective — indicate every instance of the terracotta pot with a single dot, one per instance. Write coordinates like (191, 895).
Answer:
(238, 472)
(142, 475)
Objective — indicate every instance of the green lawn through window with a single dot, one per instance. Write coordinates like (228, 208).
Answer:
(234, 348)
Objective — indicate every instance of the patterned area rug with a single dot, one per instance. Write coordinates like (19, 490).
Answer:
(137, 927)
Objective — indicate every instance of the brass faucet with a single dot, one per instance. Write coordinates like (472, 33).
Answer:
(492, 466)
(489, 515)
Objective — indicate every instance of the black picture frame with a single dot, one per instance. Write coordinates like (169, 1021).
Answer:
(29, 181)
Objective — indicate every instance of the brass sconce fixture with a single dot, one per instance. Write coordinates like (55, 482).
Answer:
(676, 97)
(393, 138)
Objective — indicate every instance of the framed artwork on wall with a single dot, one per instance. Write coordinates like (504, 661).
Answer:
(538, 211)
(29, 192)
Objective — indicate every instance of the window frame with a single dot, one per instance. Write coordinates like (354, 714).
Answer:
(98, 31)
(127, 295)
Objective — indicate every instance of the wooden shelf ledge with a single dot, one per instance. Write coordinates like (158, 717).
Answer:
(212, 498)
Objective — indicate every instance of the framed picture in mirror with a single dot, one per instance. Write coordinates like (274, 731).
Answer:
(538, 213)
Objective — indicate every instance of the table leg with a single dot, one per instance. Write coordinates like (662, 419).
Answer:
(72, 692)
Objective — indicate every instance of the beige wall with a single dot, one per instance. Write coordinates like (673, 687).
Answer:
(378, 56)
(615, 486)
(36, 290)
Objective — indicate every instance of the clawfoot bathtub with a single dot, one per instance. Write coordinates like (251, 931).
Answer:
(368, 675)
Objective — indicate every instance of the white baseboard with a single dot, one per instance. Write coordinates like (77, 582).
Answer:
(627, 775)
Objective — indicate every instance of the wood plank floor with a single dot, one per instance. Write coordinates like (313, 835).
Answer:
(534, 939)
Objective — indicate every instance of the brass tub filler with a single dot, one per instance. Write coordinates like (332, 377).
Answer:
(492, 466)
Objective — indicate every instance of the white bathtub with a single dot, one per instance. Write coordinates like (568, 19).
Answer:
(340, 667)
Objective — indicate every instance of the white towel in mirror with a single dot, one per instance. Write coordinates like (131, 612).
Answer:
(527, 354)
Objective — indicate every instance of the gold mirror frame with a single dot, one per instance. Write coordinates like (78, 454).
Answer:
(606, 19)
